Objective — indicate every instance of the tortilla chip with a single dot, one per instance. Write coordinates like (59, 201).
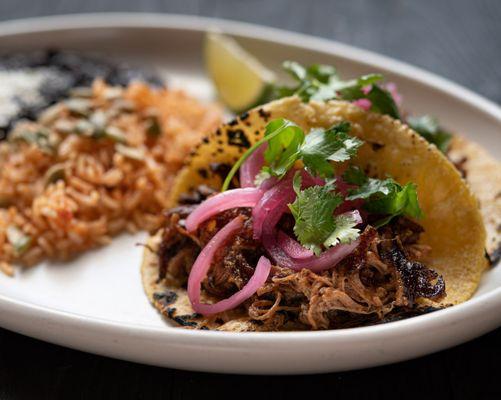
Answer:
(483, 174)
(453, 224)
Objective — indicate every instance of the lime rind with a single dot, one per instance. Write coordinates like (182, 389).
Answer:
(240, 79)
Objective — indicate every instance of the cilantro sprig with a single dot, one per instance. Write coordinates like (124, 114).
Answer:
(322, 146)
(316, 226)
(322, 82)
(316, 150)
(288, 144)
(384, 197)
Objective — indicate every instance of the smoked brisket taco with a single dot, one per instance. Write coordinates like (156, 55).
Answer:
(314, 215)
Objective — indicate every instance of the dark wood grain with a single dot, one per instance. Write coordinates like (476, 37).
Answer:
(459, 39)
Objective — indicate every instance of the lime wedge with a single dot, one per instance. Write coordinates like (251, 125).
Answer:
(240, 79)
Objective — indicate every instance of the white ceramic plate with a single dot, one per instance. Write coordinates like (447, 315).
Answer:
(96, 303)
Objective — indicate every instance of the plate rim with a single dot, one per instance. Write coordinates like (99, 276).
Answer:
(486, 301)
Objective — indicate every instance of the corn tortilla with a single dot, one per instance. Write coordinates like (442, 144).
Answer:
(453, 224)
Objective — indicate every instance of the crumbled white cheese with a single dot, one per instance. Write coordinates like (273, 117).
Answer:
(18, 87)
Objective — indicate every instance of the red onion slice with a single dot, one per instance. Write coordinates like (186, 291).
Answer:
(366, 89)
(203, 263)
(364, 104)
(246, 197)
(342, 186)
(292, 247)
(328, 259)
(251, 167)
(266, 215)
(393, 89)
(272, 204)
(274, 201)
(355, 214)
(295, 250)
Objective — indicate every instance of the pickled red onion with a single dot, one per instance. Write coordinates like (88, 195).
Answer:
(271, 212)
(274, 201)
(393, 89)
(267, 213)
(366, 89)
(245, 197)
(328, 259)
(292, 247)
(251, 167)
(203, 263)
(355, 214)
(364, 104)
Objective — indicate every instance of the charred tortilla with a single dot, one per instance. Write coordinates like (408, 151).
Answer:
(453, 224)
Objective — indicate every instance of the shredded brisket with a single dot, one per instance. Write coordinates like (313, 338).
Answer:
(383, 279)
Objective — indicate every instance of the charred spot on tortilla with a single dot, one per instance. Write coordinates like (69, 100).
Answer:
(203, 173)
(452, 229)
(186, 320)
(166, 297)
(264, 114)
(238, 138)
(220, 169)
(495, 256)
(376, 146)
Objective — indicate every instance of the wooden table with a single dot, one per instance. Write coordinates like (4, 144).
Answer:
(459, 39)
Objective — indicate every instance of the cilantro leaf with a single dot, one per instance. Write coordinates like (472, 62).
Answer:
(344, 232)
(372, 187)
(429, 128)
(322, 82)
(400, 200)
(381, 100)
(287, 144)
(321, 146)
(383, 196)
(283, 148)
(313, 211)
(295, 70)
(313, 82)
(352, 89)
(354, 176)
(316, 149)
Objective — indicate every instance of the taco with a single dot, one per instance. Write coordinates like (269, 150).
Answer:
(316, 215)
